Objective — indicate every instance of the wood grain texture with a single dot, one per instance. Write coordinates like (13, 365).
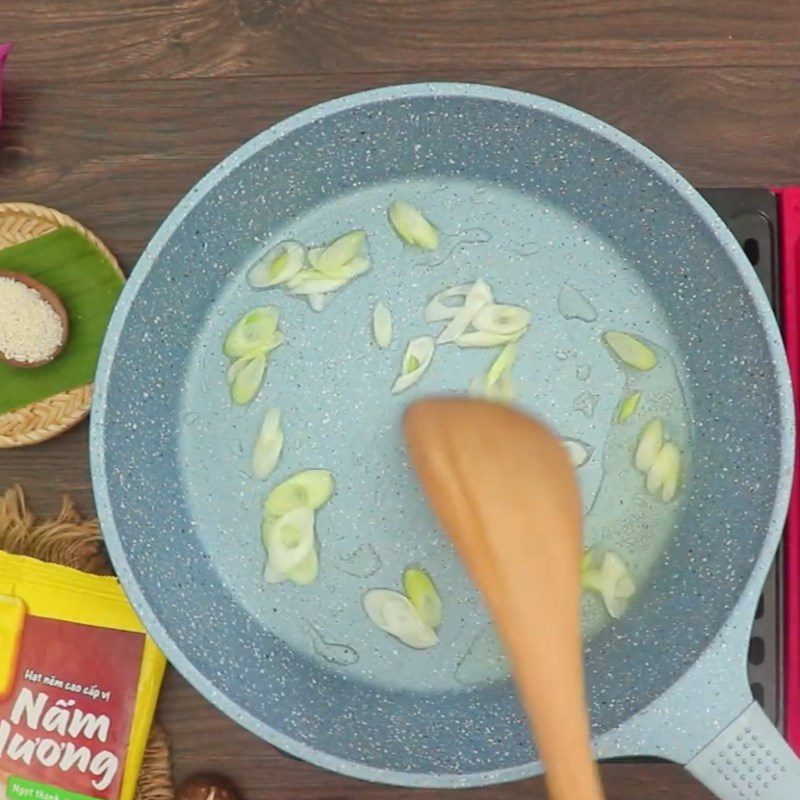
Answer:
(118, 156)
(199, 38)
(204, 739)
(115, 109)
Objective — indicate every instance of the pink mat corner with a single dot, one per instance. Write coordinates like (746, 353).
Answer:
(789, 233)
(4, 50)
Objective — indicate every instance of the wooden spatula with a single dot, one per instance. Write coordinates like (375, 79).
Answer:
(504, 489)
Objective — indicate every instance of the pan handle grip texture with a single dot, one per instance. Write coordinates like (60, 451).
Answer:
(749, 760)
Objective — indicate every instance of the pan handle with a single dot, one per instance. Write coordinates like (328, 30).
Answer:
(749, 760)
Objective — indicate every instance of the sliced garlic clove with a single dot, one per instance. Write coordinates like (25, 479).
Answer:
(311, 488)
(500, 318)
(393, 613)
(479, 295)
(437, 310)
(651, 440)
(268, 446)
(628, 406)
(382, 325)
(416, 361)
(421, 591)
(289, 538)
(579, 452)
(247, 380)
(277, 265)
(630, 350)
(341, 251)
(411, 226)
(252, 330)
(502, 364)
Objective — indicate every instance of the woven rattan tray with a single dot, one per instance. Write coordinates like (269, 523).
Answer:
(21, 222)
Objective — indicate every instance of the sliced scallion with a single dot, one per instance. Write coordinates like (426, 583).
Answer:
(479, 295)
(312, 281)
(277, 266)
(312, 256)
(500, 318)
(289, 538)
(502, 364)
(421, 591)
(650, 441)
(303, 574)
(579, 452)
(663, 474)
(252, 331)
(486, 339)
(271, 575)
(247, 379)
(311, 489)
(393, 613)
(628, 406)
(236, 367)
(611, 580)
(630, 350)
(340, 252)
(268, 446)
(319, 300)
(503, 390)
(416, 360)
(411, 226)
(437, 310)
(306, 571)
(382, 325)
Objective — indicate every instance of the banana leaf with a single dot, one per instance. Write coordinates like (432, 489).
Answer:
(88, 285)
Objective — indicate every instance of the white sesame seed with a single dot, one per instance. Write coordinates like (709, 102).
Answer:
(30, 328)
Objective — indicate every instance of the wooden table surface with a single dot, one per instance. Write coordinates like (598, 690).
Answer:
(115, 109)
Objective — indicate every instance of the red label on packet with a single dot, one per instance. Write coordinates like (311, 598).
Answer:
(66, 721)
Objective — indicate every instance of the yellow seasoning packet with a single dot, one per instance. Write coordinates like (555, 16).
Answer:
(79, 679)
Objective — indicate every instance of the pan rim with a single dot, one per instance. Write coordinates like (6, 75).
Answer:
(581, 119)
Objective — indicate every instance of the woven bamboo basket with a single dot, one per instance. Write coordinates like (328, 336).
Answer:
(21, 222)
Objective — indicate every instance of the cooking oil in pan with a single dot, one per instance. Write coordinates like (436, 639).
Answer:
(622, 517)
(338, 413)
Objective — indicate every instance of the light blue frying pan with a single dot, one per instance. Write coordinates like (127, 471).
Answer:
(529, 195)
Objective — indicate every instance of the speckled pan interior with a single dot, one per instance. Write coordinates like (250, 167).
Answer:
(530, 195)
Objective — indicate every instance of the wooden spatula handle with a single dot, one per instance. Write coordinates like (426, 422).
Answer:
(558, 717)
(504, 489)
(534, 599)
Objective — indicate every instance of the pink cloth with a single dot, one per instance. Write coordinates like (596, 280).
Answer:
(4, 48)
